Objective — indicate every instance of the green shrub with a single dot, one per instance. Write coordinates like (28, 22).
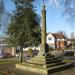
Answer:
(30, 51)
(51, 49)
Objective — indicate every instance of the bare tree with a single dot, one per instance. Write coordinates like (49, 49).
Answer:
(1, 8)
(67, 6)
(63, 33)
(69, 9)
(4, 17)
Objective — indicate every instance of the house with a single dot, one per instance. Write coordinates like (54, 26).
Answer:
(4, 48)
(70, 43)
(56, 40)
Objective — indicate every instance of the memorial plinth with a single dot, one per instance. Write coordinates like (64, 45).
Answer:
(44, 63)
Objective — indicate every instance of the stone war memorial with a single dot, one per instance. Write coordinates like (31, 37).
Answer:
(44, 63)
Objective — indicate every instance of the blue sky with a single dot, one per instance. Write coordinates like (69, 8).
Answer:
(55, 19)
(9, 6)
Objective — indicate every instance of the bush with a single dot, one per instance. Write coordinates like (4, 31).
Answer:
(30, 51)
(51, 49)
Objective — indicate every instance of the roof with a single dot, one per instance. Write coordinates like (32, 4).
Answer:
(58, 35)
(70, 39)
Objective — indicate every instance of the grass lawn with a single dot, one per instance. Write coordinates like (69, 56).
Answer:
(69, 61)
(6, 66)
(8, 61)
(2, 73)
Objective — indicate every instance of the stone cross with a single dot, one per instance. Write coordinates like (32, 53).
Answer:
(43, 48)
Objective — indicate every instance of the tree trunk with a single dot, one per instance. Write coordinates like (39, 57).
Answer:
(21, 54)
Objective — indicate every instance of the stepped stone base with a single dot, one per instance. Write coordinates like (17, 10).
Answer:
(42, 71)
(38, 70)
(44, 65)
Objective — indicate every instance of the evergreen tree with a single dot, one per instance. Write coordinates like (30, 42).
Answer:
(24, 29)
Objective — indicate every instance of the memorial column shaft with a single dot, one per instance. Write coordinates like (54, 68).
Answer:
(43, 32)
(44, 46)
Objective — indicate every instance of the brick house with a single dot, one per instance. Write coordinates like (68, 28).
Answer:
(56, 40)
(4, 47)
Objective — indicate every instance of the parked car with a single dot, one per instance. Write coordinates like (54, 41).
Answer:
(1, 56)
(68, 53)
(5, 55)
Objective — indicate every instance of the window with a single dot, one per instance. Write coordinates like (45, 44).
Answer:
(49, 38)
